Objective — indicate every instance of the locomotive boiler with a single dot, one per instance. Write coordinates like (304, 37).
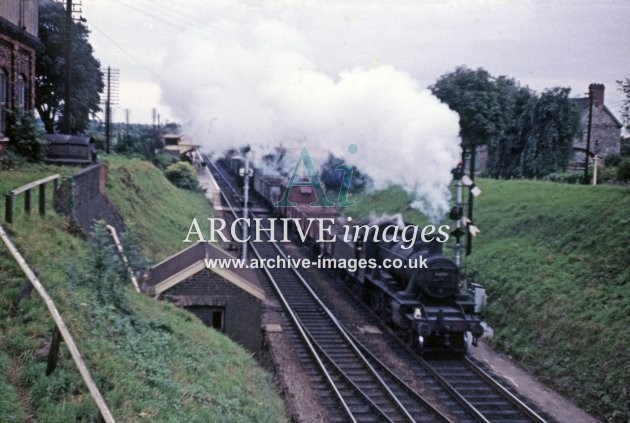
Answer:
(419, 292)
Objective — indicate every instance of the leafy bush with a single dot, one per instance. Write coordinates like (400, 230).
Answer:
(26, 138)
(623, 170)
(106, 274)
(565, 178)
(162, 161)
(182, 175)
(612, 160)
(625, 147)
(10, 160)
(606, 174)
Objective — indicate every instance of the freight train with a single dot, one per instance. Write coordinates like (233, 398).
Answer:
(416, 289)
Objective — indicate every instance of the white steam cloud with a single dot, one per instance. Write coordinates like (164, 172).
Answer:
(256, 86)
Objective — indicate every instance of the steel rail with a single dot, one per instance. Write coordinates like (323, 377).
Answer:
(343, 332)
(478, 415)
(468, 406)
(401, 382)
(336, 323)
(305, 337)
(504, 392)
(294, 318)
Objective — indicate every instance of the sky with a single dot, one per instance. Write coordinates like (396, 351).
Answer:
(348, 77)
(542, 44)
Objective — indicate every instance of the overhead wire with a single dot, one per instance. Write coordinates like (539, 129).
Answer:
(182, 23)
(138, 10)
(123, 50)
(171, 11)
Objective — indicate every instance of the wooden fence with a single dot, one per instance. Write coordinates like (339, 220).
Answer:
(26, 189)
(61, 327)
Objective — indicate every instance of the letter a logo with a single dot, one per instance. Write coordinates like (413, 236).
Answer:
(313, 181)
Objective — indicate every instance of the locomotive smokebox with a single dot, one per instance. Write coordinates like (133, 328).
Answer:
(422, 268)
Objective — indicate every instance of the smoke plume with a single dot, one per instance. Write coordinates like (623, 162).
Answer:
(256, 85)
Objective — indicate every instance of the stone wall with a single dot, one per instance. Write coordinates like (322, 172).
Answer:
(82, 196)
(605, 133)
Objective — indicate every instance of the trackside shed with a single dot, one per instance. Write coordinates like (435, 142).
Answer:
(228, 300)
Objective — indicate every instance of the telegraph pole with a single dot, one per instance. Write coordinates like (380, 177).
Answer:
(588, 133)
(68, 70)
(108, 114)
(110, 80)
(246, 175)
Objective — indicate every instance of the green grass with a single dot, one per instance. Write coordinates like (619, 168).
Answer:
(556, 261)
(9, 406)
(390, 200)
(158, 213)
(152, 361)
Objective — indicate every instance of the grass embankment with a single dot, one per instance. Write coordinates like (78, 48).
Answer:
(158, 214)
(556, 261)
(152, 362)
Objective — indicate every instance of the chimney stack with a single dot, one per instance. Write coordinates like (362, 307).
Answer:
(597, 91)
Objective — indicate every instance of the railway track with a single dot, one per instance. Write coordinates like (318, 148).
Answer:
(343, 371)
(470, 392)
(483, 391)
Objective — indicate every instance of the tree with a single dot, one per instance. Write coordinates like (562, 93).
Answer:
(140, 140)
(548, 126)
(472, 94)
(86, 75)
(504, 152)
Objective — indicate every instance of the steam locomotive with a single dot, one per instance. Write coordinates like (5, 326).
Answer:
(428, 305)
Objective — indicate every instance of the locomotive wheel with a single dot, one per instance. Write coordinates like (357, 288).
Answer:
(459, 342)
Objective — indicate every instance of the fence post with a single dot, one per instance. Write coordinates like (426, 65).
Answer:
(53, 353)
(8, 207)
(42, 199)
(27, 201)
(25, 292)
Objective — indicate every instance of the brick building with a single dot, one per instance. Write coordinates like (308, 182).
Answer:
(18, 42)
(229, 300)
(605, 127)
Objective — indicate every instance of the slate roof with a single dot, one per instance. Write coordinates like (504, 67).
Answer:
(582, 104)
(191, 260)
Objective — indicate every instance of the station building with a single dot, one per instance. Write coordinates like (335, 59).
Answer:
(18, 43)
